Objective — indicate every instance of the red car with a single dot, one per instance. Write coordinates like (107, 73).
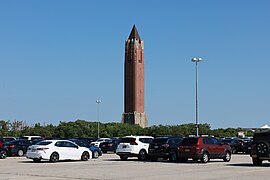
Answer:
(204, 149)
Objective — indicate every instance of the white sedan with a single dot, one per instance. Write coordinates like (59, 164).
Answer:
(55, 150)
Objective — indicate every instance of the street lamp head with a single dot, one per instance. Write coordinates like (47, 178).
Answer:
(98, 101)
(196, 59)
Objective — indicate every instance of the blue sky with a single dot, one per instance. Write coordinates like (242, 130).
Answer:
(58, 57)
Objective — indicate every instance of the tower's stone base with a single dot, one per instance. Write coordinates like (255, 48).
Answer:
(135, 118)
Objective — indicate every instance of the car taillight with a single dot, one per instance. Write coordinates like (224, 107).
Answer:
(110, 145)
(42, 148)
(11, 146)
(133, 143)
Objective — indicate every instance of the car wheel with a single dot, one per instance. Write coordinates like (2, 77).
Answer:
(54, 157)
(36, 160)
(20, 152)
(123, 158)
(257, 161)
(227, 156)
(173, 157)
(3, 154)
(104, 151)
(95, 154)
(142, 155)
(205, 157)
(85, 156)
(262, 147)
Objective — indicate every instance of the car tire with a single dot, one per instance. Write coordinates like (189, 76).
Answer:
(227, 157)
(205, 157)
(256, 161)
(85, 156)
(123, 158)
(3, 154)
(54, 157)
(95, 154)
(20, 152)
(173, 156)
(142, 155)
(262, 147)
(36, 160)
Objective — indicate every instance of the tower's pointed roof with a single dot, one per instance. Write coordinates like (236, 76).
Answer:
(134, 34)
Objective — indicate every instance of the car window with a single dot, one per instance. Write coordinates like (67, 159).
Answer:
(145, 140)
(44, 143)
(207, 141)
(189, 141)
(214, 141)
(127, 140)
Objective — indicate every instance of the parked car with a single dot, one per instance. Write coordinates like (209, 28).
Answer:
(109, 145)
(237, 145)
(3, 152)
(55, 150)
(4, 140)
(162, 147)
(203, 148)
(260, 149)
(134, 146)
(96, 151)
(18, 147)
(100, 140)
(247, 145)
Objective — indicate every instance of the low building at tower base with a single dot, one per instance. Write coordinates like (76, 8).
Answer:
(135, 118)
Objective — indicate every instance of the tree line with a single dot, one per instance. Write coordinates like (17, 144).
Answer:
(84, 129)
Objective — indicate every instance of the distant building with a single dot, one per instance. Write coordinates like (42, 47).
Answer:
(134, 81)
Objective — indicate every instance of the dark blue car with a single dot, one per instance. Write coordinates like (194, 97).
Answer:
(96, 151)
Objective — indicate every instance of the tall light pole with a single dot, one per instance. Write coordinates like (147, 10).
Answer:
(98, 102)
(196, 60)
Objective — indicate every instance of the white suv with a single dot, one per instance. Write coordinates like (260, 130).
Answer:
(134, 146)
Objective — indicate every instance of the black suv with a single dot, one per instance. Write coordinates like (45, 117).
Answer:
(260, 149)
(162, 147)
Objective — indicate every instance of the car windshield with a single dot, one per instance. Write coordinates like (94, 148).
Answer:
(189, 141)
(43, 143)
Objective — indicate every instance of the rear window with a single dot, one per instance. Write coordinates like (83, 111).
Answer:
(189, 141)
(127, 140)
(160, 140)
(44, 143)
(145, 140)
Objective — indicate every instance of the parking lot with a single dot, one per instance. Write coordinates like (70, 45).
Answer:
(110, 167)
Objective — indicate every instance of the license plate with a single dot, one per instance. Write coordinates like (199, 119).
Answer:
(187, 150)
(156, 147)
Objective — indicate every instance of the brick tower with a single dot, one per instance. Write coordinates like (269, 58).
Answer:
(134, 81)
